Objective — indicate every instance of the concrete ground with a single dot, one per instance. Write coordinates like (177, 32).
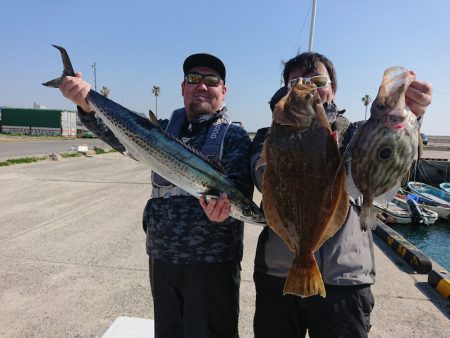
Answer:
(72, 256)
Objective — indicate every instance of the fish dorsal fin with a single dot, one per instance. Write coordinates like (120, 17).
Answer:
(345, 164)
(210, 160)
(153, 119)
(347, 155)
(216, 164)
(388, 195)
(338, 194)
(273, 218)
(263, 157)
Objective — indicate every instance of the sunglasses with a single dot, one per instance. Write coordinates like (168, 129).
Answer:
(209, 80)
(320, 81)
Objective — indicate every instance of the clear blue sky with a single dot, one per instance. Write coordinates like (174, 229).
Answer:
(137, 44)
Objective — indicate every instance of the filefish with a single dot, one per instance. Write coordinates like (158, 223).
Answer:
(382, 151)
(178, 163)
(305, 202)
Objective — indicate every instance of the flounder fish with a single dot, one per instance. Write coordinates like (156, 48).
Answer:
(383, 149)
(302, 201)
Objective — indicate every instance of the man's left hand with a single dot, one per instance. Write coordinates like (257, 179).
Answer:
(418, 97)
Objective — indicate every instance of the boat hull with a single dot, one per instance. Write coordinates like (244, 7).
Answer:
(445, 186)
(429, 216)
(434, 199)
(397, 211)
(442, 212)
(393, 213)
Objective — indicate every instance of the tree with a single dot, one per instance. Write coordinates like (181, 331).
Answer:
(156, 90)
(105, 91)
(366, 100)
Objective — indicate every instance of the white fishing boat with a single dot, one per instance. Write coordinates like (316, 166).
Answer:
(431, 197)
(399, 212)
(392, 213)
(445, 186)
(427, 215)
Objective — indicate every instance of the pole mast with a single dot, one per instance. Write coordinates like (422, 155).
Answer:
(313, 21)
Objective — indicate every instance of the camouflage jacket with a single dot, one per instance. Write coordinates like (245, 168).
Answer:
(177, 228)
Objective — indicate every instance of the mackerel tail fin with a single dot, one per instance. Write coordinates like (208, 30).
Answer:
(68, 69)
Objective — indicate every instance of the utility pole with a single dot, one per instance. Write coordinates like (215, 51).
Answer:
(313, 21)
(95, 76)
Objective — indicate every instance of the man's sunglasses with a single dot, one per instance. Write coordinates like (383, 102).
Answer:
(320, 81)
(196, 78)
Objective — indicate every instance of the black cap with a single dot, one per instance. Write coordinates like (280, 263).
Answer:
(204, 60)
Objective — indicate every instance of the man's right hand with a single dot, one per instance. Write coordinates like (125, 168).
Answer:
(218, 209)
(76, 90)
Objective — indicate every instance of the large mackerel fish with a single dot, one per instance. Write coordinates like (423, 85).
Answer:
(146, 142)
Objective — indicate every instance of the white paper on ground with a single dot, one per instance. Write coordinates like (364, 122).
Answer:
(130, 327)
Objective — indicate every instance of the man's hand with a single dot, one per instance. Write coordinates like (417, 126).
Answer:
(418, 97)
(218, 209)
(76, 90)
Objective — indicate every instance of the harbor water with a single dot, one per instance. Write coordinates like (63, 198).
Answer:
(433, 240)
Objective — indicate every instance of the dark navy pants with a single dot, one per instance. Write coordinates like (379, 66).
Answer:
(344, 313)
(195, 300)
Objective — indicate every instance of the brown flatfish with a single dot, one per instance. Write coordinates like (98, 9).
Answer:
(304, 193)
(383, 149)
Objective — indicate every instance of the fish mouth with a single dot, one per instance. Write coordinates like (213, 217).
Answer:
(247, 215)
(397, 119)
(256, 222)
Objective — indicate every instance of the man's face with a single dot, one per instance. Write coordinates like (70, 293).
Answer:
(326, 93)
(200, 98)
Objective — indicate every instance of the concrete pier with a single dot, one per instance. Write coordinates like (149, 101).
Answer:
(72, 256)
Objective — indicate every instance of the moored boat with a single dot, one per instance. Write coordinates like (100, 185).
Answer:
(393, 213)
(399, 211)
(426, 215)
(445, 186)
(433, 198)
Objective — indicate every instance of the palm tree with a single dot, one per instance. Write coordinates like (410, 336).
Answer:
(105, 91)
(156, 90)
(366, 100)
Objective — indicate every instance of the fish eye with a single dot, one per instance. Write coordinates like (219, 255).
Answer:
(380, 107)
(246, 212)
(385, 153)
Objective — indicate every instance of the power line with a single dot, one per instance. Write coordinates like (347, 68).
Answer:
(297, 50)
